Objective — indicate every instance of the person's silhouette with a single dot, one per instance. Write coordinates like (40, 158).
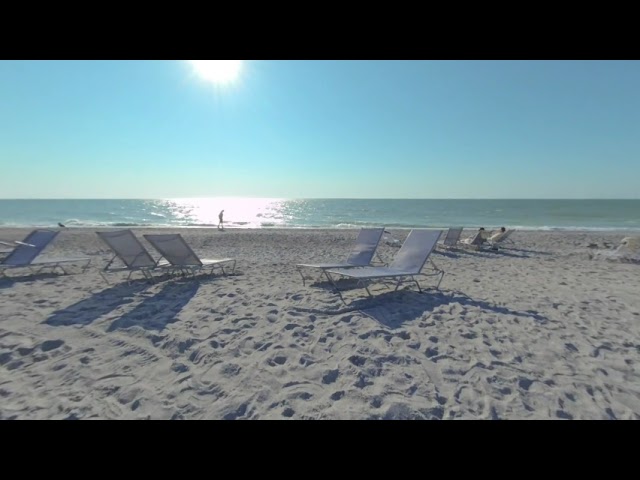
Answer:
(220, 224)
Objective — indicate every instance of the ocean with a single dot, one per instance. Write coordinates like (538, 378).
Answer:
(325, 213)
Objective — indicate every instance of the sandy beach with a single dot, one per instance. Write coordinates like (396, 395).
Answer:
(548, 328)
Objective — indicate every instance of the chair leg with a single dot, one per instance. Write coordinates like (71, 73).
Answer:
(300, 272)
(335, 286)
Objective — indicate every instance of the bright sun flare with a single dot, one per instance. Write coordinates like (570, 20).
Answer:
(218, 72)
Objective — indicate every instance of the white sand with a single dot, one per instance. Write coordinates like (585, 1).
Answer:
(547, 329)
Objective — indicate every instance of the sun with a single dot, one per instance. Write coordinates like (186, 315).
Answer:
(218, 72)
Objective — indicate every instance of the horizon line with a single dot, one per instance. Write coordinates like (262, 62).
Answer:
(308, 198)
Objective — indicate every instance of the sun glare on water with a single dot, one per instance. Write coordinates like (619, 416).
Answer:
(217, 72)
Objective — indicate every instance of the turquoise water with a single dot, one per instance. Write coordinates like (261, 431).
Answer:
(325, 213)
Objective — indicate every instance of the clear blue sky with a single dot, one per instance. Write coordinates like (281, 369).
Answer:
(354, 129)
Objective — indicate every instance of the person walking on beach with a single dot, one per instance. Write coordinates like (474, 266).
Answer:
(220, 224)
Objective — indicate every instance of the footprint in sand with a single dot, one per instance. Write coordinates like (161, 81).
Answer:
(564, 415)
(404, 335)
(5, 358)
(344, 319)
(216, 344)
(305, 361)
(279, 360)
(335, 396)
(357, 360)
(596, 351)
(179, 368)
(571, 347)
(51, 345)
(431, 352)
(288, 412)
(525, 383)
(239, 412)
(230, 370)
(362, 382)
(330, 376)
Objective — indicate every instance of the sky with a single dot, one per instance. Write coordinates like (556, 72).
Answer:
(320, 129)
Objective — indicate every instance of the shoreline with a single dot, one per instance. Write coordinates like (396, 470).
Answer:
(560, 230)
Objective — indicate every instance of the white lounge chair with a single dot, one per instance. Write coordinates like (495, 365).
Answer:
(361, 255)
(24, 254)
(452, 237)
(128, 249)
(474, 241)
(181, 257)
(407, 263)
(498, 238)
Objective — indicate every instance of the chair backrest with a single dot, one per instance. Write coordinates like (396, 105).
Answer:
(128, 248)
(365, 247)
(478, 238)
(501, 236)
(415, 250)
(24, 254)
(173, 247)
(453, 235)
(507, 235)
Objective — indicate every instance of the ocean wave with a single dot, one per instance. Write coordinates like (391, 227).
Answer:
(547, 228)
(309, 226)
(77, 223)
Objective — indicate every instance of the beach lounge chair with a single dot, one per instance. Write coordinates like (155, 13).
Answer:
(452, 237)
(24, 254)
(128, 249)
(499, 238)
(474, 241)
(407, 263)
(361, 255)
(182, 258)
